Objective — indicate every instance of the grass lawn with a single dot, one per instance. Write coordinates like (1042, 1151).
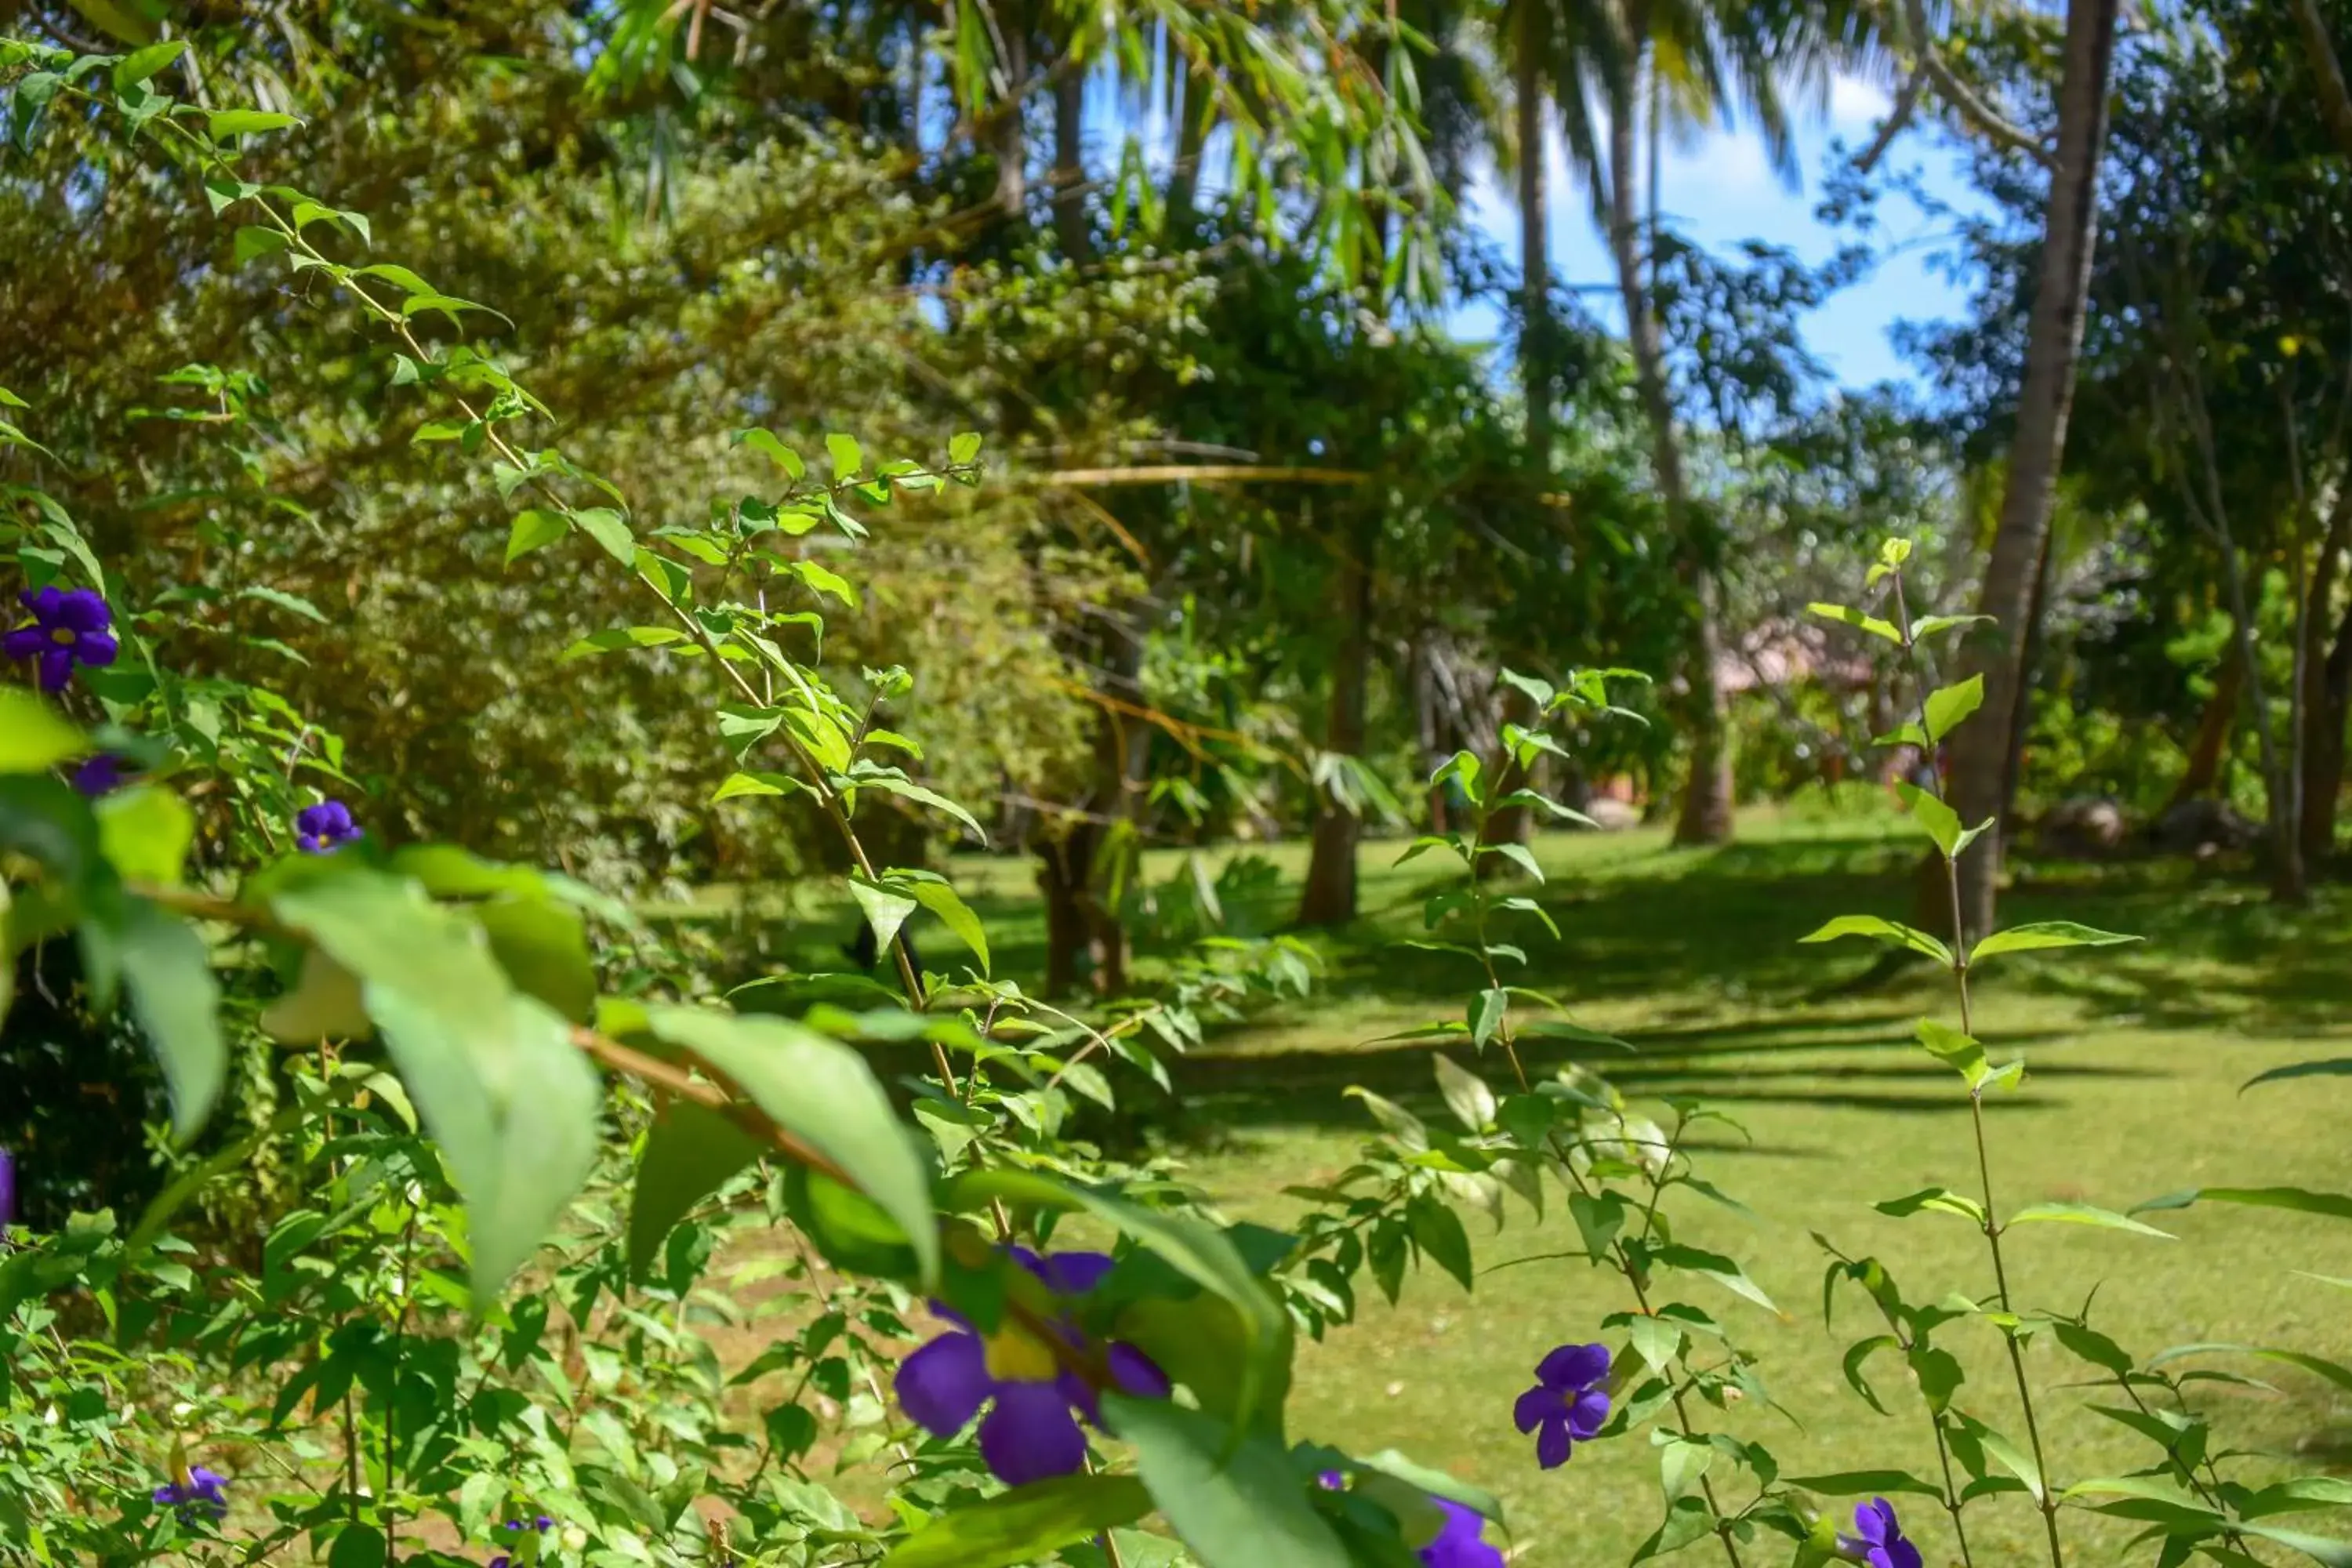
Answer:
(2135, 1057)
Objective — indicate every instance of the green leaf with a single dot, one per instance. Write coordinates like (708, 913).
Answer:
(1942, 1200)
(2082, 1214)
(2301, 1200)
(543, 945)
(846, 457)
(909, 790)
(1518, 855)
(1437, 1230)
(33, 736)
(1487, 1011)
(823, 1092)
(512, 1104)
(2042, 934)
(956, 916)
(1723, 1270)
(742, 784)
(1949, 705)
(1926, 627)
(1942, 823)
(145, 832)
(1681, 1465)
(2332, 1066)
(609, 528)
(358, 1546)
(690, 1152)
(2008, 1455)
(1467, 1094)
(247, 122)
(1960, 1052)
(532, 529)
(177, 1001)
(1235, 1505)
(887, 909)
(1866, 1483)
(784, 456)
(1856, 618)
(1883, 930)
(963, 447)
(253, 241)
(140, 64)
(621, 638)
(1024, 1525)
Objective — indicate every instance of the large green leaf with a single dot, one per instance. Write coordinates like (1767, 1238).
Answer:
(145, 831)
(1236, 1504)
(1882, 931)
(34, 735)
(1949, 705)
(824, 1093)
(512, 1103)
(2335, 1205)
(1866, 1483)
(2043, 934)
(2332, 1066)
(690, 1152)
(177, 1001)
(2085, 1213)
(1024, 1525)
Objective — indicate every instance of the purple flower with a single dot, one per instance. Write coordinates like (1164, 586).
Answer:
(516, 1526)
(1568, 1402)
(70, 626)
(1461, 1544)
(1881, 1542)
(1031, 1431)
(7, 1189)
(323, 828)
(201, 1492)
(103, 774)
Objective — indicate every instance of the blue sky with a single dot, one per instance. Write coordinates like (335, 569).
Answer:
(1719, 191)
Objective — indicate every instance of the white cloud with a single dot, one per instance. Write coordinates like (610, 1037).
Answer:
(1855, 104)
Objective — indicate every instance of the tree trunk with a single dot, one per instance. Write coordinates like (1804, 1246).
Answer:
(2054, 337)
(1192, 128)
(2315, 824)
(1510, 824)
(1329, 899)
(1706, 814)
(1066, 923)
(1515, 823)
(1011, 131)
(2322, 759)
(2212, 739)
(2335, 101)
(1070, 168)
(1535, 357)
(2022, 722)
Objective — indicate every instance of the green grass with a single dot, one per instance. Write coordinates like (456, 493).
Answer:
(2135, 1058)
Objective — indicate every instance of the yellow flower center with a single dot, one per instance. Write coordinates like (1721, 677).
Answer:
(1016, 1355)
(62, 637)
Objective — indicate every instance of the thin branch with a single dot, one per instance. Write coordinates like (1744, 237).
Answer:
(1964, 98)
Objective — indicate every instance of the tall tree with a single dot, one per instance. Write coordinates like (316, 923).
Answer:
(1979, 752)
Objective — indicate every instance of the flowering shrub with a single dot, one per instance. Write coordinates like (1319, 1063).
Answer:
(533, 1187)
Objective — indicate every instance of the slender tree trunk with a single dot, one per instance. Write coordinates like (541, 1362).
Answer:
(1070, 169)
(1535, 357)
(1515, 823)
(2212, 739)
(2322, 759)
(2335, 100)
(1706, 814)
(2022, 723)
(1193, 123)
(2054, 337)
(2316, 823)
(1011, 131)
(1330, 898)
